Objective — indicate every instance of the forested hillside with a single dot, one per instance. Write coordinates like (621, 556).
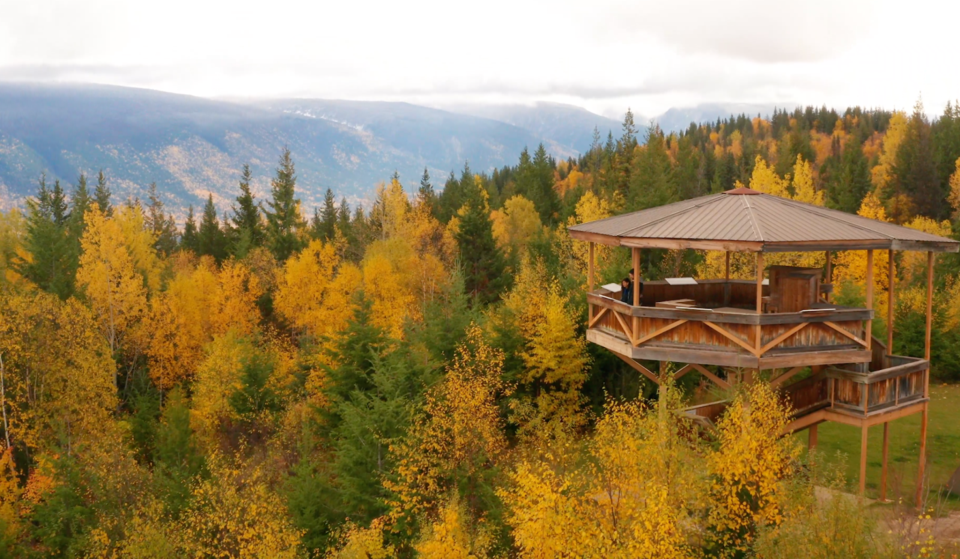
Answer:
(412, 379)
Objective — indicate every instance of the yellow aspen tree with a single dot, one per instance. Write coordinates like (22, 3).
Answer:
(516, 224)
(140, 241)
(391, 281)
(10, 494)
(913, 264)
(765, 179)
(804, 189)
(12, 233)
(235, 300)
(218, 377)
(589, 207)
(357, 542)
(109, 279)
(234, 514)
(459, 433)
(748, 468)
(57, 370)
(882, 173)
(450, 536)
(315, 290)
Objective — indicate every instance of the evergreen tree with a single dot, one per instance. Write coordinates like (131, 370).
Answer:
(163, 226)
(853, 182)
(53, 256)
(102, 194)
(189, 239)
(426, 197)
(178, 460)
(284, 222)
(482, 260)
(324, 223)
(915, 173)
(248, 229)
(652, 182)
(453, 195)
(210, 238)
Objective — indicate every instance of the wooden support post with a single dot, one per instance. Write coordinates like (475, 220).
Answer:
(812, 437)
(727, 266)
(883, 461)
(590, 282)
(891, 286)
(590, 265)
(868, 334)
(921, 466)
(759, 341)
(829, 274)
(863, 459)
(926, 346)
(726, 285)
(636, 290)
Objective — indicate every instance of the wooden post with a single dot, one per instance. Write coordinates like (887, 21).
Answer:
(829, 274)
(926, 346)
(921, 466)
(727, 266)
(891, 285)
(636, 289)
(812, 437)
(759, 295)
(883, 462)
(590, 268)
(726, 285)
(863, 459)
(868, 335)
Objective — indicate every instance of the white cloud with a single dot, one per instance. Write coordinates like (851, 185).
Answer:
(605, 55)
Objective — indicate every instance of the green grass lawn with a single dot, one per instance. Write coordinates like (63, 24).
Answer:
(943, 448)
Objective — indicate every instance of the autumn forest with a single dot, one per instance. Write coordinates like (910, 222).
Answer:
(411, 378)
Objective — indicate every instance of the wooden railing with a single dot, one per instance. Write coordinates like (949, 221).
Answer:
(816, 333)
(900, 384)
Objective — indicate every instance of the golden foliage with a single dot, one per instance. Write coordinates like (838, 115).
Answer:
(851, 266)
(954, 196)
(109, 278)
(913, 263)
(882, 173)
(363, 543)
(234, 514)
(765, 179)
(516, 224)
(749, 466)
(460, 429)
(590, 207)
(451, 537)
(10, 493)
(12, 233)
(57, 370)
(315, 290)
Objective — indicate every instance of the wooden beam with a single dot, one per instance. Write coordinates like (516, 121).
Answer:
(713, 378)
(759, 338)
(926, 345)
(829, 273)
(733, 338)
(639, 368)
(921, 466)
(659, 332)
(683, 370)
(782, 337)
(636, 292)
(863, 460)
(692, 244)
(727, 266)
(627, 331)
(590, 265)
(883, 460)
(869, 330)
(812, 437)
(847, 334)
(597, 317)
(891, 286)
(786, 376)
(608, 240)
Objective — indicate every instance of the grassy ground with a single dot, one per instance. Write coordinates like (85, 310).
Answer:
(841, 445)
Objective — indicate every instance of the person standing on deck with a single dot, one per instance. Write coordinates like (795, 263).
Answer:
(626, 291)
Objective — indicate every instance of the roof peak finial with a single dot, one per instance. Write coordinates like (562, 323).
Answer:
(742, 191)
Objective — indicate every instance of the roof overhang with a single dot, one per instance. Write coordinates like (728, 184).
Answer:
(753, 246)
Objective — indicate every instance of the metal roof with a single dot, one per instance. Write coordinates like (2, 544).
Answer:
(745, 219)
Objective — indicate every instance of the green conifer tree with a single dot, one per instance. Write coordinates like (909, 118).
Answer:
(247, 224)
(210, 238)
(284, 223)
(188, 241)
(161, 224)
(102, 194)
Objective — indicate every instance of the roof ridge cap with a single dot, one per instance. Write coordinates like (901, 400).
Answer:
(753, 219)
(707, 198)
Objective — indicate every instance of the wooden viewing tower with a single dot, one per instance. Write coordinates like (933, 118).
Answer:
(785, 324)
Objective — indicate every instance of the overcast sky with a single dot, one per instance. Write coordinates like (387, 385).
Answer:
(604, 55)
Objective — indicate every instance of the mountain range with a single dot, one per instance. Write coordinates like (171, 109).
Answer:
(191, 146)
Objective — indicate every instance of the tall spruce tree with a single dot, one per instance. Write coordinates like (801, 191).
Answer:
(102, 194)
(210, 238)
(284, 223)
(652, 181)
(853, 180)
(247, 225)
(47, 240)
(482, 260)
(161, 224)
(915, 172)
(426, 197)
(188, 241)
(324, 224)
